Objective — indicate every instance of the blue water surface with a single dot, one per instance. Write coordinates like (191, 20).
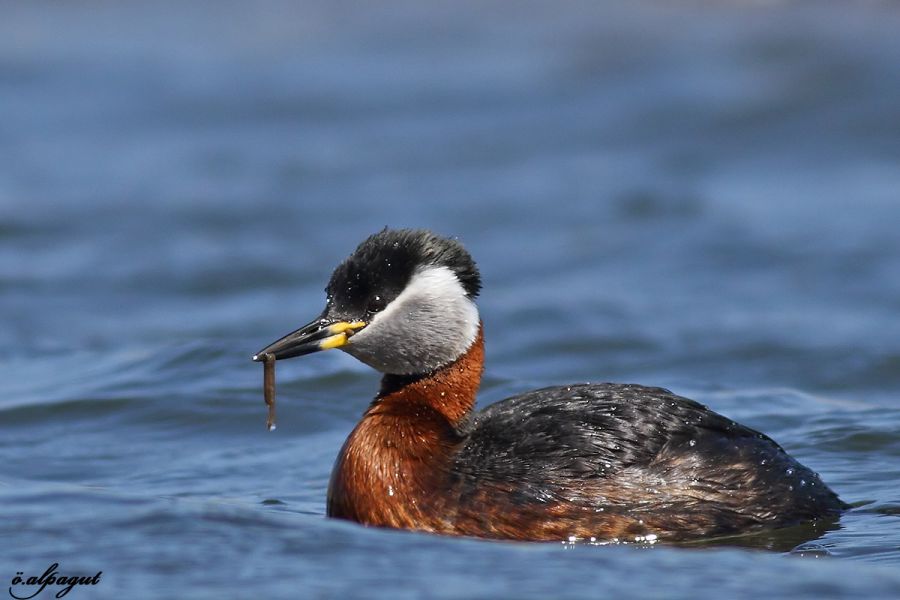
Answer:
(700, 196)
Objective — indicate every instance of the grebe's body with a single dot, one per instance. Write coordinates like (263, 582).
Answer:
(602, 461)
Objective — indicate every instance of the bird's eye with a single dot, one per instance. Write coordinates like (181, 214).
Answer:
(376, 303)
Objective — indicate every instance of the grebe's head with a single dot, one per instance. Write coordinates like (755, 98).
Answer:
(403, 303)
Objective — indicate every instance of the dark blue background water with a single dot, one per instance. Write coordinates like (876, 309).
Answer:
(704, 197)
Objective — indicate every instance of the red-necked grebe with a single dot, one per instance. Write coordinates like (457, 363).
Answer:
(589, 461)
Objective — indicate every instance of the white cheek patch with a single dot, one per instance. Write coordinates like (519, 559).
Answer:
(430, 324)
(436, 288)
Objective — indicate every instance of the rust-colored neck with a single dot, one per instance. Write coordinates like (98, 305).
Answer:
(394, 465)
(450, 391)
